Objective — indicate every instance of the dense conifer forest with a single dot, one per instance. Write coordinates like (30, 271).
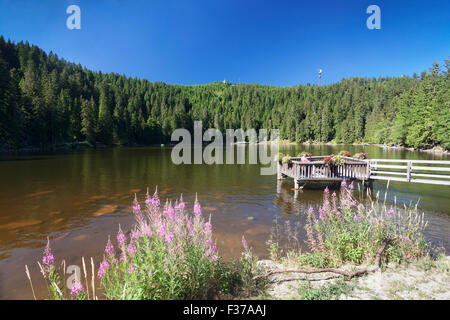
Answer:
(46, 101)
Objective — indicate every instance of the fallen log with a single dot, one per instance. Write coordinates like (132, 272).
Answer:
(346, 274)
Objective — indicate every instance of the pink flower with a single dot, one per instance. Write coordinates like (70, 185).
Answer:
(169, 237)
(120, 237)
(334, 194)
(161, 231)
(170, 211)
(104, 266)
(355, 218)
(181, 204)
(214, 258)
(136, 205)
(244, 242)
(134, 235)
(131, 249)
(373, 220)
(197, 206)
(208, 227)
(77, 288)
(146, 230)
(326, 190)
(109, 249)
(48, 259)
(131, 269)
(391, 211)
(351, 187)
(343, 184)
(155, 200)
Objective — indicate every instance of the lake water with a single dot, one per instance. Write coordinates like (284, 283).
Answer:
(78, 198)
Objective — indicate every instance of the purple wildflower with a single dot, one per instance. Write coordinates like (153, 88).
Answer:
(161, 231)
(351, 187)
(344, 184)
(131, 269)
(146, 230)
(326, 190)
(120, 237)
(214, 258)
(334, 194)
(77, 288)
(109, 249)
(136, 205)
(148, 200)
(355, 218)
(155, 199)
(104, 266)
(181, 204)
(48, 259)
(244, 242)
(168, 237)
(131, 249)
(197, 206)
(391, 211)
(208, 227)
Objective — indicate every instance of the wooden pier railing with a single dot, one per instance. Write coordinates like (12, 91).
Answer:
(316, 170)
(419, 171)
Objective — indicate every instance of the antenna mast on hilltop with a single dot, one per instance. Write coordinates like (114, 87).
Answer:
(320, 75)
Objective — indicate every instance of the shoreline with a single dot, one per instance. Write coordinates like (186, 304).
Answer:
(85, 145)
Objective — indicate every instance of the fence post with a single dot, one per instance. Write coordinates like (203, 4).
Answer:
(408, 171)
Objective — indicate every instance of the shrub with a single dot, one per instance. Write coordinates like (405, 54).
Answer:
(344, 153)
(304, 153)
(361, 155)
(346, 231)
(170, 254)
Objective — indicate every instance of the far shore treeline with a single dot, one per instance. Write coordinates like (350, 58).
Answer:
(46, 101)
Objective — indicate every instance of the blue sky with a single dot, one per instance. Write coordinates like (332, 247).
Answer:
(269, 42)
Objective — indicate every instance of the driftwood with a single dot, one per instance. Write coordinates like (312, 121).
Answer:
(346, 274)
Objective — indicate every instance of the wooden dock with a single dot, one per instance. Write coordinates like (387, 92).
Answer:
(316, 171)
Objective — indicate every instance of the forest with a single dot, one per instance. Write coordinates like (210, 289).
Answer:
(46, 101)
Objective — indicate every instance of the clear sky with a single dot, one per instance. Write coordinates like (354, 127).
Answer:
(251, 41)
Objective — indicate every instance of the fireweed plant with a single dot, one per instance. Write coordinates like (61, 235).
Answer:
(344, 230)
(169, 254)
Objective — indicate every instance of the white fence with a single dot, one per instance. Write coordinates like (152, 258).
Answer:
(419, 171)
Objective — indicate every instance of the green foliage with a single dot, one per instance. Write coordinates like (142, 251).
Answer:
(46, 101)
(326, 292)
(347, 231)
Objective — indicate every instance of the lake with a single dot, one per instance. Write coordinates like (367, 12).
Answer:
(77, 198)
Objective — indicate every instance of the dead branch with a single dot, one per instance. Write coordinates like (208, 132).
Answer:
(346, 274)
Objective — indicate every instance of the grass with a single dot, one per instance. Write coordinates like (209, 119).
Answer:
(331, 291)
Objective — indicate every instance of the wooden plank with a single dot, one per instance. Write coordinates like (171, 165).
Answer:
(431, 169)
(431, 175)
(388, 166)
(447, 162)
(388, 178)
(440, 182)
(389, 172)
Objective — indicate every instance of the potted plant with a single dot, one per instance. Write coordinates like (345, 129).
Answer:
(360, 156)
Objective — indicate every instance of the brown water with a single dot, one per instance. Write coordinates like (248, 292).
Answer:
(78, 198)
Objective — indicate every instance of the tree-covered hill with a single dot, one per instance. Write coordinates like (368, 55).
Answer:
(46, 101)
